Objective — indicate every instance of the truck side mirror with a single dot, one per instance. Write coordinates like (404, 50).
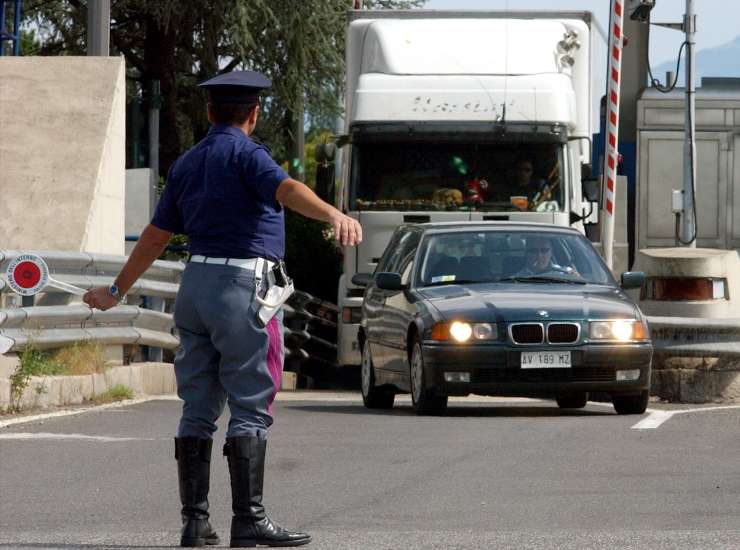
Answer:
(325, 154)
(591, 189)
(633, 279)
(362, 279)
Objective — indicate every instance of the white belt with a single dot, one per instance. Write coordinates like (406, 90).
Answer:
(254, 264)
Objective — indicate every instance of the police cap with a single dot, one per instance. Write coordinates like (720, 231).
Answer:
(236, 87)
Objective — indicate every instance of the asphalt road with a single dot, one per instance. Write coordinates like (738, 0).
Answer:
(518, 474)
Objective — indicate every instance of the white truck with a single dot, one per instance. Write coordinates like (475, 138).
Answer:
(461, 115)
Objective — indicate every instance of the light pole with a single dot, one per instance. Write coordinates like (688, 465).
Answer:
(688, 225)
(98, 27)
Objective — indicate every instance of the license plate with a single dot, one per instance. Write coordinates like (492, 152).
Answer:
(545, 359)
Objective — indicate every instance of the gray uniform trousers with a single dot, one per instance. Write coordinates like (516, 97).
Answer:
(225, 354)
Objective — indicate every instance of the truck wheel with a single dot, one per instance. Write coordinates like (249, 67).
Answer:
(631, 404)
(424, 401)
(372, 396)
(573, 400)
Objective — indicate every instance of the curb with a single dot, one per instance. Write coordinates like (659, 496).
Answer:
(143, 379)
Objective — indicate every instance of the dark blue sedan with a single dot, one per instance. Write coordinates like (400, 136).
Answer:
(500, 308)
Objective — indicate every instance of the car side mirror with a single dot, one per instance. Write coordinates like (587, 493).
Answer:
(362, 279)
(633, 279)
(388, 281)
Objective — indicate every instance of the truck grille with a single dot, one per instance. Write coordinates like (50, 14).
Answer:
(562, 333)
(527, 333)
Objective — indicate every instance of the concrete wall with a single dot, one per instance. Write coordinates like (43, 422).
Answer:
(62, 153)
(139, 185)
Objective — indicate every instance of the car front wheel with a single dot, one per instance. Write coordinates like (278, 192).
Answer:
(573, 400)
(373, 396)
(631, 404)
(424, 401)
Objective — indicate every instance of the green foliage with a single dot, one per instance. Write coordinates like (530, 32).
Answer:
(299, 45)
(29, 43)
(313, 260)
(314, 138)
(119, 392)
(34, 362)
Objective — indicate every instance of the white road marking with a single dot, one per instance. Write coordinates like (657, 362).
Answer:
(41, 435)
(655, 419)
(74, 412)
(702, 409)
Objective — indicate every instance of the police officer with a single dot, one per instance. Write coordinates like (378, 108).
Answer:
(227, 195)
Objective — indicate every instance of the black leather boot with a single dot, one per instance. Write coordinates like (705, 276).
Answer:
(250, 525)
(193, 457)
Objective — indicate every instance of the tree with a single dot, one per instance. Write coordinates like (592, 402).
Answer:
(299, 45)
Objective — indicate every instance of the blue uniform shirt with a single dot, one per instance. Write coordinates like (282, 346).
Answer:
(221, 194)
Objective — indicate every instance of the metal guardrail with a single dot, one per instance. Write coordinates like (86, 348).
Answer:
(695, 337)
(310, 324)
(310, 330)
(89, 270)
(58, 324)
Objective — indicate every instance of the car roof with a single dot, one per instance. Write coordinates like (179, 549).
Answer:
(460, 226)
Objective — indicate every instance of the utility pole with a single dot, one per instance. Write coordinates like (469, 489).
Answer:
(98, 28)
(688, 226)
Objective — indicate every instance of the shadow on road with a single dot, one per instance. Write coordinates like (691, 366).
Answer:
(454, 411)
(72, 546)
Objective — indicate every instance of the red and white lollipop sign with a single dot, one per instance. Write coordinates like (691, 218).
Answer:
(28, 274)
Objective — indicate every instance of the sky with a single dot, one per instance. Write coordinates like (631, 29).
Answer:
(717, 20)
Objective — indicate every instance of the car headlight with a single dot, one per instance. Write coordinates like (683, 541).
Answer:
(461, 331)
(623, 330)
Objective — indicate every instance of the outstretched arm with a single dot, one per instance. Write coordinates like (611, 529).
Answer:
(299, 197)
(152, 242)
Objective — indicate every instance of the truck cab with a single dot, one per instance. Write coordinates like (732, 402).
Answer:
(453, 116)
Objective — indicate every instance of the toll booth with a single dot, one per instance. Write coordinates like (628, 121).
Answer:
(660, 147)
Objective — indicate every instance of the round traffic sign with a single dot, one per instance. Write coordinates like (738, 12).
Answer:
(27, 274)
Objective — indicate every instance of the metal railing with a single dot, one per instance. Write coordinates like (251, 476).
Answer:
(310, 324)
(310, 332)
(89, 270)
(47, 321)
(695, 337)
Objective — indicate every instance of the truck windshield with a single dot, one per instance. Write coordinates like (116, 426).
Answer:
(454, 176)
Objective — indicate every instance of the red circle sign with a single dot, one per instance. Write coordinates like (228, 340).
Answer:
(27, 274)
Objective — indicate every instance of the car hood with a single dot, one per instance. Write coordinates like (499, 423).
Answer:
(529, 302)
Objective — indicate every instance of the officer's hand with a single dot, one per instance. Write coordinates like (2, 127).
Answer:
(347, 230)
(100, 298)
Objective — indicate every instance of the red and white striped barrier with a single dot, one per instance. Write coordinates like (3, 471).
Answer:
(614, 73)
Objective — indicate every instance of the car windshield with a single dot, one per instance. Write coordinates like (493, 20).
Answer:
(454, 176)
(510, 257)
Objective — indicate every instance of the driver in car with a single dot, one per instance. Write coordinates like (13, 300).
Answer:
(539, 259)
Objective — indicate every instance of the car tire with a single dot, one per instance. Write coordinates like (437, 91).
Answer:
(373, 397)
(424, 401)
(631, 404)
(573, 400)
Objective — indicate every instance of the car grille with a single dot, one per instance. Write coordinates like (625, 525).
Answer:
(562, 333)
(575, 374)
(527, 333)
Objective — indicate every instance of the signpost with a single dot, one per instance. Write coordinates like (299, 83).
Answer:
(28, 275)
(616, 21)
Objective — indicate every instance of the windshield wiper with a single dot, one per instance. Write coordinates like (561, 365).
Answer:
(540, 279)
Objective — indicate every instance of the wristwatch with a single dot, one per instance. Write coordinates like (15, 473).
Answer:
(113, 291)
